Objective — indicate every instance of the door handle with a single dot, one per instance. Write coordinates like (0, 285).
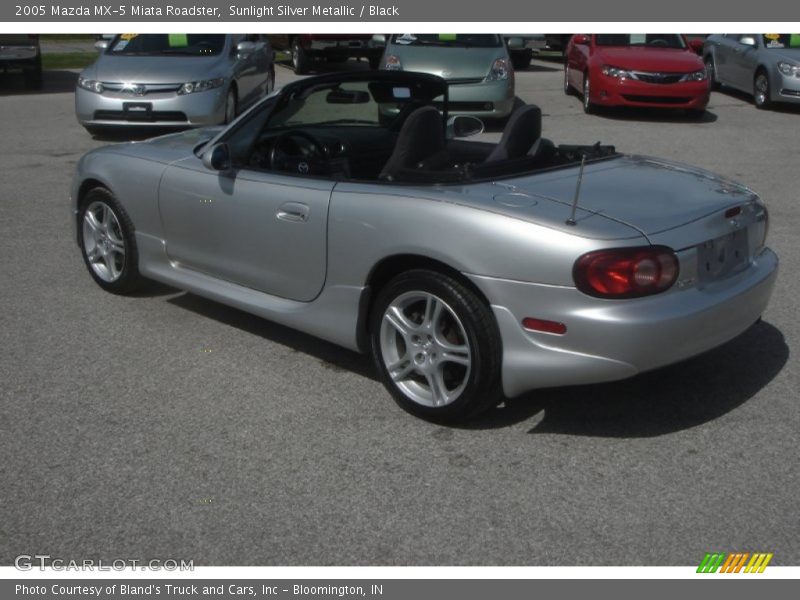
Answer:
(295, 212)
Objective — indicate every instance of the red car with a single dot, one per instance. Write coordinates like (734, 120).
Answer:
(654, 69)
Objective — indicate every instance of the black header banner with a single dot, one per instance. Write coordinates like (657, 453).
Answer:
(389, 11)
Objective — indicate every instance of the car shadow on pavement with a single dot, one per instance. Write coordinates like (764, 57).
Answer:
(332, 355)
(657, 403)
(53, 82)
(780, 107)
(653, 115)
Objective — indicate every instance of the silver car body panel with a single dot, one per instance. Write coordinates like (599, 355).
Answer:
(736, 65)
(225, 236)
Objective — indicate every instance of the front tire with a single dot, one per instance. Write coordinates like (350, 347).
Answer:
(231, 106)
(588, 106)
(107, 242)
(711, 73)
(762, 90)
(567, 87)
(436, 346)
(300, 60)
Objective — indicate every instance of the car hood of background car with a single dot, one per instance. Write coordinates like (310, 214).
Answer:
(790, 54)
(650, 59)
(448, 63)
(155, 69)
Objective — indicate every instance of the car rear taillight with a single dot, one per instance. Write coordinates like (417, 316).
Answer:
(626, 272)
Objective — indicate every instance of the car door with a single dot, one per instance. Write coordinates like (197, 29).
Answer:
(743, 63)
(723, 50)
(264, 231)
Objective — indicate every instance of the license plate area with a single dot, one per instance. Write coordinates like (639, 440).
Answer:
(722, 256)
(138, 111)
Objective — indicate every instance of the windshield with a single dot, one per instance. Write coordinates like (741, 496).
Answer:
(474, 40)
(781, 40)
(656, 40)
(184, 44)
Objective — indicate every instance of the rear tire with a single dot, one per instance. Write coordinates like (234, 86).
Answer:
(436, 346)
(107, 242)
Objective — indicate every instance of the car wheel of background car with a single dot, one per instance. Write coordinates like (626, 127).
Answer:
(33, 77)
(231, 106)
(520, 61)
(271, 80)
(299, 58)
(567, 87)
(107, 242)
(436, 346)
(588, 107)
(711, 73)
(761, 91)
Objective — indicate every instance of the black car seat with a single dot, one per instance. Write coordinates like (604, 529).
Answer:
(420, 144)
(523, 130)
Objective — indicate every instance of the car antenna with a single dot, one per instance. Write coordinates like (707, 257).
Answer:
(571, 220)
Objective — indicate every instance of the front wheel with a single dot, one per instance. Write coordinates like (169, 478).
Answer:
(567, 86)
(436, 346)
(761, 90)
(588, 106)
(107, 242)
(231, 106)
(711, 73)
(300, 60)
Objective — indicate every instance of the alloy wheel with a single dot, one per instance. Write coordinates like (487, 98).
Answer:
(103, 242)
(425, 349)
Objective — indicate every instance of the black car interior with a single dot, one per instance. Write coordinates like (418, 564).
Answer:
(408, 145)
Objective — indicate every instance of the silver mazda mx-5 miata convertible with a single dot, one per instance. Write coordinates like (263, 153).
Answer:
(469, 270)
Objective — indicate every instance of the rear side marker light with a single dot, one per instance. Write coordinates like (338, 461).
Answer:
(544, 325)
(626, 272)
(733, 212)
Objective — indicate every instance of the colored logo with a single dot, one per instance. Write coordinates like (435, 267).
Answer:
(735, 562)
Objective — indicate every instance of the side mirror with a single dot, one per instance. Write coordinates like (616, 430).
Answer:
(101, 45)
(747, 40)
(696, 45)
(581, 39)
(515, 43)
(217, 158)
(461, 126)
(245, 48)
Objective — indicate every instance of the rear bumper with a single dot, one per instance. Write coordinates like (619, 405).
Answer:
(608, 340)
(608, 91)
(19, 57)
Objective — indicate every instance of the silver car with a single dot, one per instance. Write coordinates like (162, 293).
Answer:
(470, 271)
(764, 65)
(173, 80)
(476, 66)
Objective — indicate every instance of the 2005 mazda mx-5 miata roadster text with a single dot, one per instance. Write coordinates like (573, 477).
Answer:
(350, 207)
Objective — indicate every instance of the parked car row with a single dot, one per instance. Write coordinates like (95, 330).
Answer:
(670, 71)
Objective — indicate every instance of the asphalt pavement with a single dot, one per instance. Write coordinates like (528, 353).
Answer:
(168, 426)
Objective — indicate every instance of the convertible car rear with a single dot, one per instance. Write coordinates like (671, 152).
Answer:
(470, 271)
